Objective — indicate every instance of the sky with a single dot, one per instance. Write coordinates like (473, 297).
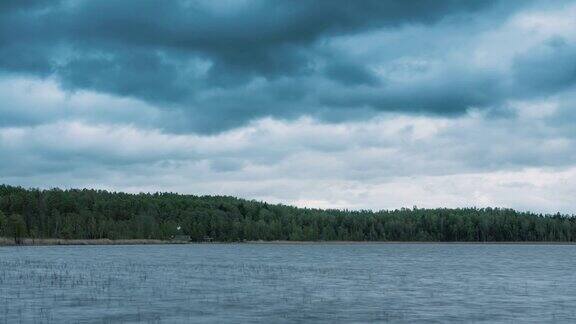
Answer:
(331, 104)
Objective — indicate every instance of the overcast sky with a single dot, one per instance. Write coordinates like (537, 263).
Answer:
(346, 104)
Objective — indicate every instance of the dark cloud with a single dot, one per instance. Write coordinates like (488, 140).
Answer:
(351, 74)
(448, 95)
(7, 6)
(258, 37)
(547, 68)
(142, 48)
(134, 73)
(223, 64)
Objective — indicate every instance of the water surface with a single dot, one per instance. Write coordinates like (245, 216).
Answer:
(215, 283)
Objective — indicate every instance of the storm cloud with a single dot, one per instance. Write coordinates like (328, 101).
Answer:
(242, 59)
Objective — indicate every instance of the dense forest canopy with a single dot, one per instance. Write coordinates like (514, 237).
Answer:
(96, 214)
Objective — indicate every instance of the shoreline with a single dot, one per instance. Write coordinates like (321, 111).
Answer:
(55, 242)
(410, 242)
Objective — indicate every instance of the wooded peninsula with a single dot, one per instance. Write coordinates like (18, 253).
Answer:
(98, 214)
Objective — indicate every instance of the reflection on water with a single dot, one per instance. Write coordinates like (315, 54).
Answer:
(288, 283)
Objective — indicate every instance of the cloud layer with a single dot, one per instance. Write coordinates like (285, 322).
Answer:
(370, 104)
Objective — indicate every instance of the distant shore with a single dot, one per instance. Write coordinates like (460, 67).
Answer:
(54, 241)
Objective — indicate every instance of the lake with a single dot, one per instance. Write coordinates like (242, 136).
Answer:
(275, 283)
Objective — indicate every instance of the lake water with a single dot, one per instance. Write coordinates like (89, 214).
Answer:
(275, 283)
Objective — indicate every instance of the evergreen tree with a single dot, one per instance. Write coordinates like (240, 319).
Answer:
(95, 214)
(16, 228)
(2, 224)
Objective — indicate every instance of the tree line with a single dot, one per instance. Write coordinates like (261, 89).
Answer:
(98, 214)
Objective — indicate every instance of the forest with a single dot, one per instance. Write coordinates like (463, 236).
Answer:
(99, 214)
